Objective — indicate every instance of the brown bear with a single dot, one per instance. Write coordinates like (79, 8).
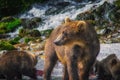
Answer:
(108, 68)
(76, 45)
(15, 63)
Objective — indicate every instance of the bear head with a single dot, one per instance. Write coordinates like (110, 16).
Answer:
(115, 68)
(71, 30)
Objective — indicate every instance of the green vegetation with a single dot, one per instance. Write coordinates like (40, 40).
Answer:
(27, 39)
(22, 32)
(15, 40)
(4, 45)
(9, 25)
(117, 3)
(46, 32)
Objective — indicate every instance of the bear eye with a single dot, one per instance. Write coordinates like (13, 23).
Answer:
(64, 33)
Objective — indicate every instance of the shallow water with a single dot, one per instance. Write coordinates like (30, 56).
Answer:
(105, 50)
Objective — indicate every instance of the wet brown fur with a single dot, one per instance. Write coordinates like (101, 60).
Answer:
(108, 68)
(77, 51)
(15, 63)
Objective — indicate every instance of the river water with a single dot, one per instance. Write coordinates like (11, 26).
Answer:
(54, 12)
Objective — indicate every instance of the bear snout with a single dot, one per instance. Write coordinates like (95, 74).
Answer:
(57, 42)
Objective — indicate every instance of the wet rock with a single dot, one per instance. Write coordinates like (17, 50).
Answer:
(85, 0)
(115, 34)
(56, 8)
(106, 20)
(30, 23)
(97, 13)
(101, 31)
(22, 46)
(52, 11)
(62, 4)
(3, 36)
(114, 15)
(34, 33)
(33, 45)
(86, 16)
(115, 40)
(46, 33)
(7, 19)
(29, 33)
(37, 46)
(110, 38)
(23, 32)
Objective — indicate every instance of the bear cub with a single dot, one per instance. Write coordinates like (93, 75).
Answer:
(108, 68)
(15, 63)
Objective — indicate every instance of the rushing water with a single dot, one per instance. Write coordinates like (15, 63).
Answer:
(54, 12)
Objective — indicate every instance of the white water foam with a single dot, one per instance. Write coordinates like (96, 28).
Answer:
(53, 20)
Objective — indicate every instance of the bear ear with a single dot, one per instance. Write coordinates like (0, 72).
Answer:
(67, 19)
(113, 62)
(81, 25)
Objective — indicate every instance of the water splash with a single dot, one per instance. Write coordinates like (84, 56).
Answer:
(54, 19)
(14, 34)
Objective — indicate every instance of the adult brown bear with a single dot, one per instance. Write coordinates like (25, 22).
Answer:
(15, 63)
(76, 45)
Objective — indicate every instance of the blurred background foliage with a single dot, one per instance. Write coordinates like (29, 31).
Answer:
(12, 7)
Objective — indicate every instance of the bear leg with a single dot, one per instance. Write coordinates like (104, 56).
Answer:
(19, 76)
(65, 75)
(72, 69)
(50, 62)
(84, 75)
(84, 72)
(9, 77)
(30, 72)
